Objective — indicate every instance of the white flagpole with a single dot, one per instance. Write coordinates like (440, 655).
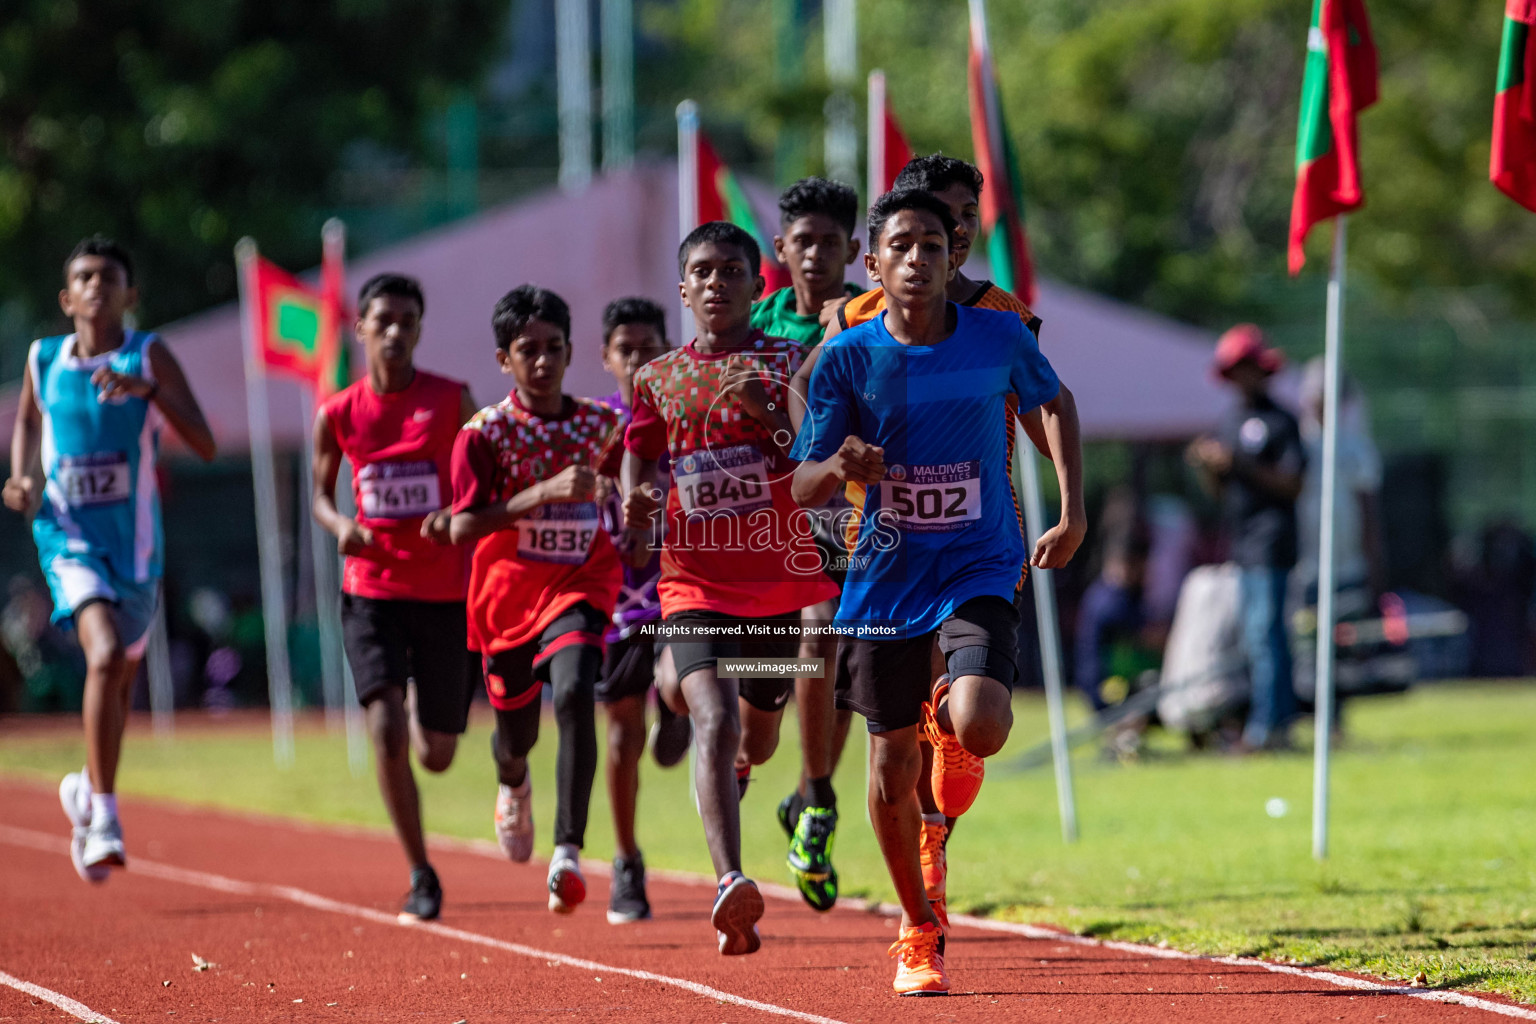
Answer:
(573, 77)
(1050, 637)
(618, 82)
(268, 532)
(840, 49)
(687, 191)
(875, 177)
(1323, 718)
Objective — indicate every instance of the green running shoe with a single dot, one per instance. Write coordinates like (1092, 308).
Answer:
(819, 893)
(810, 848)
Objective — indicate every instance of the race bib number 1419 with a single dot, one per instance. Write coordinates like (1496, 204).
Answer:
(932, 498)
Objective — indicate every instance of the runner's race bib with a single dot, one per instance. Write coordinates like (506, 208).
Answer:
(725, 480)
(561, 531)
(931, 499)
(100, 478)
(398, 490)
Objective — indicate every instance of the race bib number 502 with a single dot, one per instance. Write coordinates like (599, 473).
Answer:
(99, 478)
(932, 498)
(398, 490)
(561, 531)
(725, 480)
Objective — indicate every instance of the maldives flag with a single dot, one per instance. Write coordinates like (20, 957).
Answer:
(1002, 198)
(720, 197)
(888, 148)
(1340, 82)
(296, 328)
(1513, 167)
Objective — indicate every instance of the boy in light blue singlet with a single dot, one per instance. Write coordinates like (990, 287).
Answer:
(83, 468)
(913, 405)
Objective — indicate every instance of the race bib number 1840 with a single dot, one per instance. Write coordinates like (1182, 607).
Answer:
(932, 498)
(725, 480)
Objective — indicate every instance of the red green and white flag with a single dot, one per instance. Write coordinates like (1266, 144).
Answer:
(297, 328)
(1002, 198)
(716, 194)
(889, 150)
(1513, 167)
(1340, 81)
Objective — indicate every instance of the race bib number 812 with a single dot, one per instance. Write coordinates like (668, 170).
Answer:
(932, 498)
(99, 478)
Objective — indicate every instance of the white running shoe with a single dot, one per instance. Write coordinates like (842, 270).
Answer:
(104, 845)
(514, 820)
(75, 796)
(567, 887)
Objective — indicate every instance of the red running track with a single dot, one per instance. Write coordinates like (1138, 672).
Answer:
(298, 923)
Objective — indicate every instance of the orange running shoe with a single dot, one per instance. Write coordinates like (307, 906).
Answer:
(919, 957)
(957, 773)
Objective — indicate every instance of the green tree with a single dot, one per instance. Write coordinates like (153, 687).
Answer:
(179, 125)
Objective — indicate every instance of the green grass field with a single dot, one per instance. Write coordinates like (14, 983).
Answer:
(1434, 851)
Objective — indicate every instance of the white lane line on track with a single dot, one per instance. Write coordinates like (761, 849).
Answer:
(484, 847)
(63, 1002)
(169, 873)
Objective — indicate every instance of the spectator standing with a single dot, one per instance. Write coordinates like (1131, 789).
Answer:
(1256, 465)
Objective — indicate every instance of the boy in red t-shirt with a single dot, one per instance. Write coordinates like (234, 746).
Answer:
(545, 575)
(402, 602)
(738, 563)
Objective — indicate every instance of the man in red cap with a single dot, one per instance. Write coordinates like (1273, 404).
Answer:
(1255, 465)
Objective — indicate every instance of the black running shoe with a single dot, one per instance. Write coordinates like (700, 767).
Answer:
(425, 900)
(789, 812)
(626, 899)
(670, 735)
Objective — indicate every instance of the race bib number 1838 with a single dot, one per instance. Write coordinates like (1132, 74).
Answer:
(932, 498)
(561, 531)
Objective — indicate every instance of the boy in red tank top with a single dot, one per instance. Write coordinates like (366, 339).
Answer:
(402, 607)
(545, 575)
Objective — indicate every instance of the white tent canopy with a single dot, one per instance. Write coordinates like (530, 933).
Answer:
(1136, 375)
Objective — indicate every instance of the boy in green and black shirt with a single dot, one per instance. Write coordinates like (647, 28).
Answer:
(815, 242)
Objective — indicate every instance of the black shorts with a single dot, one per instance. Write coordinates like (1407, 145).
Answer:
(390, 641)
(887, 681)
(629, 668)
(514, 678)
(693, 653)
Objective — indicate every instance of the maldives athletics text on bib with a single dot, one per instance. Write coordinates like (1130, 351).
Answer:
(932, 498)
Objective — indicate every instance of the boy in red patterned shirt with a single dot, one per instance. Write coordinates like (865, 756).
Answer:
(738, 562)
(544, 576)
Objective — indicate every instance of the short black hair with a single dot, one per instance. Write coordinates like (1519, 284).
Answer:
(936, 172)
(524, 303)
(831, 199)
(101, 245)
(633, 309)
(720, 232)
(390, 284)
(892, 203)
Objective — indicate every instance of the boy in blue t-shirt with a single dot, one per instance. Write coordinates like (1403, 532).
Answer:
(83, 467)
(911, 405)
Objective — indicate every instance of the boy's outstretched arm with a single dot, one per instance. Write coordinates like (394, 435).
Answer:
(25, 487)
(1064, 439)
(853, 462)
(169, 392)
